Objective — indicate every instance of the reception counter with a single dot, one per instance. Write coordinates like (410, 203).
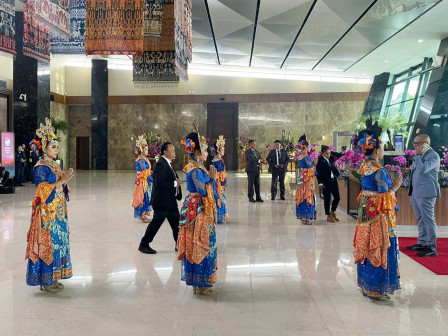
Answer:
(350, 189)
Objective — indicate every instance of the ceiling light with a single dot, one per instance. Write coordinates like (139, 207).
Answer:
(386, 61)
(420, 41)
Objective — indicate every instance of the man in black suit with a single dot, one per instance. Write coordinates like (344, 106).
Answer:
(6, 184)
(327, 175)
(165, 191)
(253, 161)
(278, 160)
(19, 167)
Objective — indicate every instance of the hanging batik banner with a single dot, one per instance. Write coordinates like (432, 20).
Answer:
(183, 36)
(36, 33)
(75, 44)
(153, 18)
(56, 14)
(156, 67)
(114, 27)
(7, 26)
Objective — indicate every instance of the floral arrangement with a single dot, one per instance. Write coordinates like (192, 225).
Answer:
(312, 153)
(443, 180)
(403, 168)
(350, 160)
(267, 149)
(154, 143)
(242, 143)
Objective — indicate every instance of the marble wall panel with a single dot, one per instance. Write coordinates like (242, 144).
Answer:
(79, 119)
(60, 112)
(264, 122)
(171, 121)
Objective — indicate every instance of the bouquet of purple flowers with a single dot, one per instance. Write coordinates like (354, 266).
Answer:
(350, 160)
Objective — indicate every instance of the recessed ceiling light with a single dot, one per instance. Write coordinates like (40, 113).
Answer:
(386, 61)
(420, 41)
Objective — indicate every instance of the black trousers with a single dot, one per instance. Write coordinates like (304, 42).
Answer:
(253, 180)
(331, 188)
(278, 174)
(18, 178)
(172, 214)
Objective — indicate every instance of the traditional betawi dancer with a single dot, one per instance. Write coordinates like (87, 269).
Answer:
(143, 182)
(48, 249)
(221, 179)
(305, 196)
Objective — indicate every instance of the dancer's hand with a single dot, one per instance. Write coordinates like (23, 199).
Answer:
(212, 172)
(67, 175)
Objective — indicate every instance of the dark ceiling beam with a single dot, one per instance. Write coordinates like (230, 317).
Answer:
(299, 32)
(348, 30)
(255, 31)
(379, 45)
(211, 28)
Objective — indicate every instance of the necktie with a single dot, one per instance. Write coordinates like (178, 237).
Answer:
(278, 156)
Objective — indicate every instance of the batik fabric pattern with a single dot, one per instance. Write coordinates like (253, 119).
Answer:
(114, 27)
(375, 240)
(36, 33)
(76, 42)
(48, 248)
(7, 26)
(183, 37)
(153, 18)
(143, 187)
(156, 67)
(305, 195)
(197, 237)
(221, 184)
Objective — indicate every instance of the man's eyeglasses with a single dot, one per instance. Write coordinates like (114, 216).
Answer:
(418, 143)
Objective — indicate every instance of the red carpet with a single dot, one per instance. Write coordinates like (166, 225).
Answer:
(439, 265)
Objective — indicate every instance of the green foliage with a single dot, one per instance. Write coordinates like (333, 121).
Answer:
(356, 175)
(398, 123)
(153, 138)
(60, 125)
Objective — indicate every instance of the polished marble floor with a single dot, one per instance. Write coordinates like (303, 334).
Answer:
(276, 276)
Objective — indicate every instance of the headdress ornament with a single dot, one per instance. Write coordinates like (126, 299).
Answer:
(221, 142)
(140, 143)
(368, 138)
(194, 141)
(202, 141)
(303, 142)
(35, 145)
(45, 132)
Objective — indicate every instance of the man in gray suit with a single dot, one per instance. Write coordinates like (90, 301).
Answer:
(424, 190)
(253, 161)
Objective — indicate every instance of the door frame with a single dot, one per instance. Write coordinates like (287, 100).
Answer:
(10, 119)
(88, 154)
(235, 106)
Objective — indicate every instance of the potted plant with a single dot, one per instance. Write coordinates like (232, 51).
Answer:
(63, 127)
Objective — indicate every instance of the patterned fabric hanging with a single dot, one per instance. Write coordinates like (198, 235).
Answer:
(114, 27)
(183, 38)
(7, 26)
(36, 33)
(156, 67)
(165, 58)
(75, 44)
(42, 18)
(153, 18)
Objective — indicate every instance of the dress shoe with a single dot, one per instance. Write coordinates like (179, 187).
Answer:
(282, 198)
(259, 200)
(427, 252)
(330, 219)
(272, 198)
(416, 247)
(333, 214)
(175, 248)
(147, 250)
(251, 200)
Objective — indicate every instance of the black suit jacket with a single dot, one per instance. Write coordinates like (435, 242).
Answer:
(324, 170)
(272, 159)
(252, 165)
(163, 194)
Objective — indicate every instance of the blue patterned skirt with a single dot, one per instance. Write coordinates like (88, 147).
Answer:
(222, 210)
(140, 210)
(198, 274)
(305, 211)
(377, 281)
(40, 273)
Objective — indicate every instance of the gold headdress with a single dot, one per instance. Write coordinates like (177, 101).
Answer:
(221, 142)
(202, 141)
(45, 132)
(140, 143)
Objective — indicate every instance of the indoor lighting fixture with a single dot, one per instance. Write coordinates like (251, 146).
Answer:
(386, 61)
(420, 41)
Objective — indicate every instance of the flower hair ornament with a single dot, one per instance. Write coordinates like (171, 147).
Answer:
(361, 145)
(45, 132)
(140, 143)
(188, 145)
(303, 142)
(35, 145)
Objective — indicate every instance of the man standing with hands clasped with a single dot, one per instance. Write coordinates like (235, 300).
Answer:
(253, 161)
(278, 160)
(165, 191)
(424, 189)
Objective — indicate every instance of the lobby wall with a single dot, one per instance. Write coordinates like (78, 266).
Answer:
(79, 119)
(60, 112)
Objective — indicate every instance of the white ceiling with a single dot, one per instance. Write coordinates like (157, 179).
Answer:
(351, 38)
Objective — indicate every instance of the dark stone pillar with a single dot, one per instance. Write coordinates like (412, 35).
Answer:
(31, 90)
(377, 94)
(99, 114)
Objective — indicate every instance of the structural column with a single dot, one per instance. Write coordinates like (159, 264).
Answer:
(31, 90)
(99, 114)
